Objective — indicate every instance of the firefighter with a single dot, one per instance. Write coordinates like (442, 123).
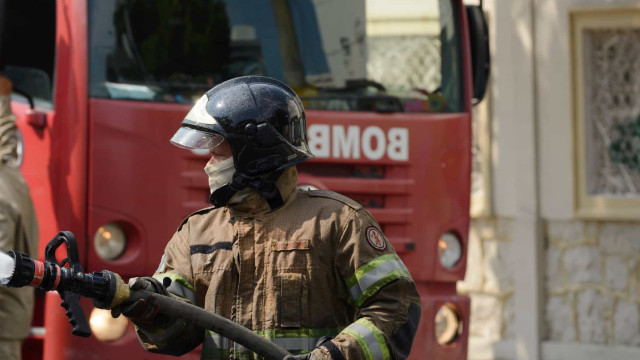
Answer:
(18, 231)
(308, 269)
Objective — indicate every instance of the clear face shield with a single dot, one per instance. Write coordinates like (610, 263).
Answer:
(191, 138)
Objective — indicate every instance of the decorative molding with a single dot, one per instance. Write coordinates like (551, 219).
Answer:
(605, 86)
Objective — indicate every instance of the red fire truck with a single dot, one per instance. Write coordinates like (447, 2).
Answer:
(101, 85)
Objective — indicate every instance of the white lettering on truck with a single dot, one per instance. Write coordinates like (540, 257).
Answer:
(348, 142)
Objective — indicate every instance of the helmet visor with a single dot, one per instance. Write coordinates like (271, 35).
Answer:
(193, 139)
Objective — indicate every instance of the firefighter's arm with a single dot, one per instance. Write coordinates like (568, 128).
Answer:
(8, 139)
(178, 336)
(7, 226)
(380, 287)
(5, 92)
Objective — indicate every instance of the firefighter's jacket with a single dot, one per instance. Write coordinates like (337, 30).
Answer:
(316, 266)
(18, 229)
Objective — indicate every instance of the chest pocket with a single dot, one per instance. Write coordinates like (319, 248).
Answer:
(292, 261)
(291, 255)
(292, 292)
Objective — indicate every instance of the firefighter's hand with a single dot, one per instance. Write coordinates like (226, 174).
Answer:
(5, 86)
(143, 311)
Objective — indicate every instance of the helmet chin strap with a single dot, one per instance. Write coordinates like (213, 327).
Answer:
(267, 188)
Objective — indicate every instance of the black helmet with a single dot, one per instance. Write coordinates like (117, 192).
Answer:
(262, 119)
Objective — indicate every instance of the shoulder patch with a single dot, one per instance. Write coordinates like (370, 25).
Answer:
(335, 196)
(197, 212)
(375, 238)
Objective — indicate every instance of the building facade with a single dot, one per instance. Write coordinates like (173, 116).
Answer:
(554, 253)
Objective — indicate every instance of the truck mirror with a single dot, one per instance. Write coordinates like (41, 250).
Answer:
(29, 82)
(480, 56)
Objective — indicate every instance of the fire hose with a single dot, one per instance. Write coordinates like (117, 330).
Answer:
(108, 290)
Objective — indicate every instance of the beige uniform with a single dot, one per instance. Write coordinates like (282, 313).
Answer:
(316, 266)
(18, 231)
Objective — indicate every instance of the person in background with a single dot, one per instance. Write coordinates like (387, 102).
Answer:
(309, 270)
(18, 231)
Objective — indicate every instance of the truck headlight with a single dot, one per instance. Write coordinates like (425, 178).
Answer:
(105, 327)
(449, 250)
(447, 325)
(110, 241)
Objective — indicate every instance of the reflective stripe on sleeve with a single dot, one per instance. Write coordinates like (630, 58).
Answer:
(370, 339)
(374, 275)
(180, 286)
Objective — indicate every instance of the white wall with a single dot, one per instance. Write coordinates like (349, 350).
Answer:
(533, 187)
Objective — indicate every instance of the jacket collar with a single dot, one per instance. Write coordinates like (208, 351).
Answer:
(255, 204)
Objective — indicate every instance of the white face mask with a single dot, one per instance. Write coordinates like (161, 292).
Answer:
(220, 173)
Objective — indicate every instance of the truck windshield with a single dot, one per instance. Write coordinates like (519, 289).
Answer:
(359, 55)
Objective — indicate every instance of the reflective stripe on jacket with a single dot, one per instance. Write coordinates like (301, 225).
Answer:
(317, 266)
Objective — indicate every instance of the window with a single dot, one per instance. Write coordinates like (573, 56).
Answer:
(607, 111)
(330, 52)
